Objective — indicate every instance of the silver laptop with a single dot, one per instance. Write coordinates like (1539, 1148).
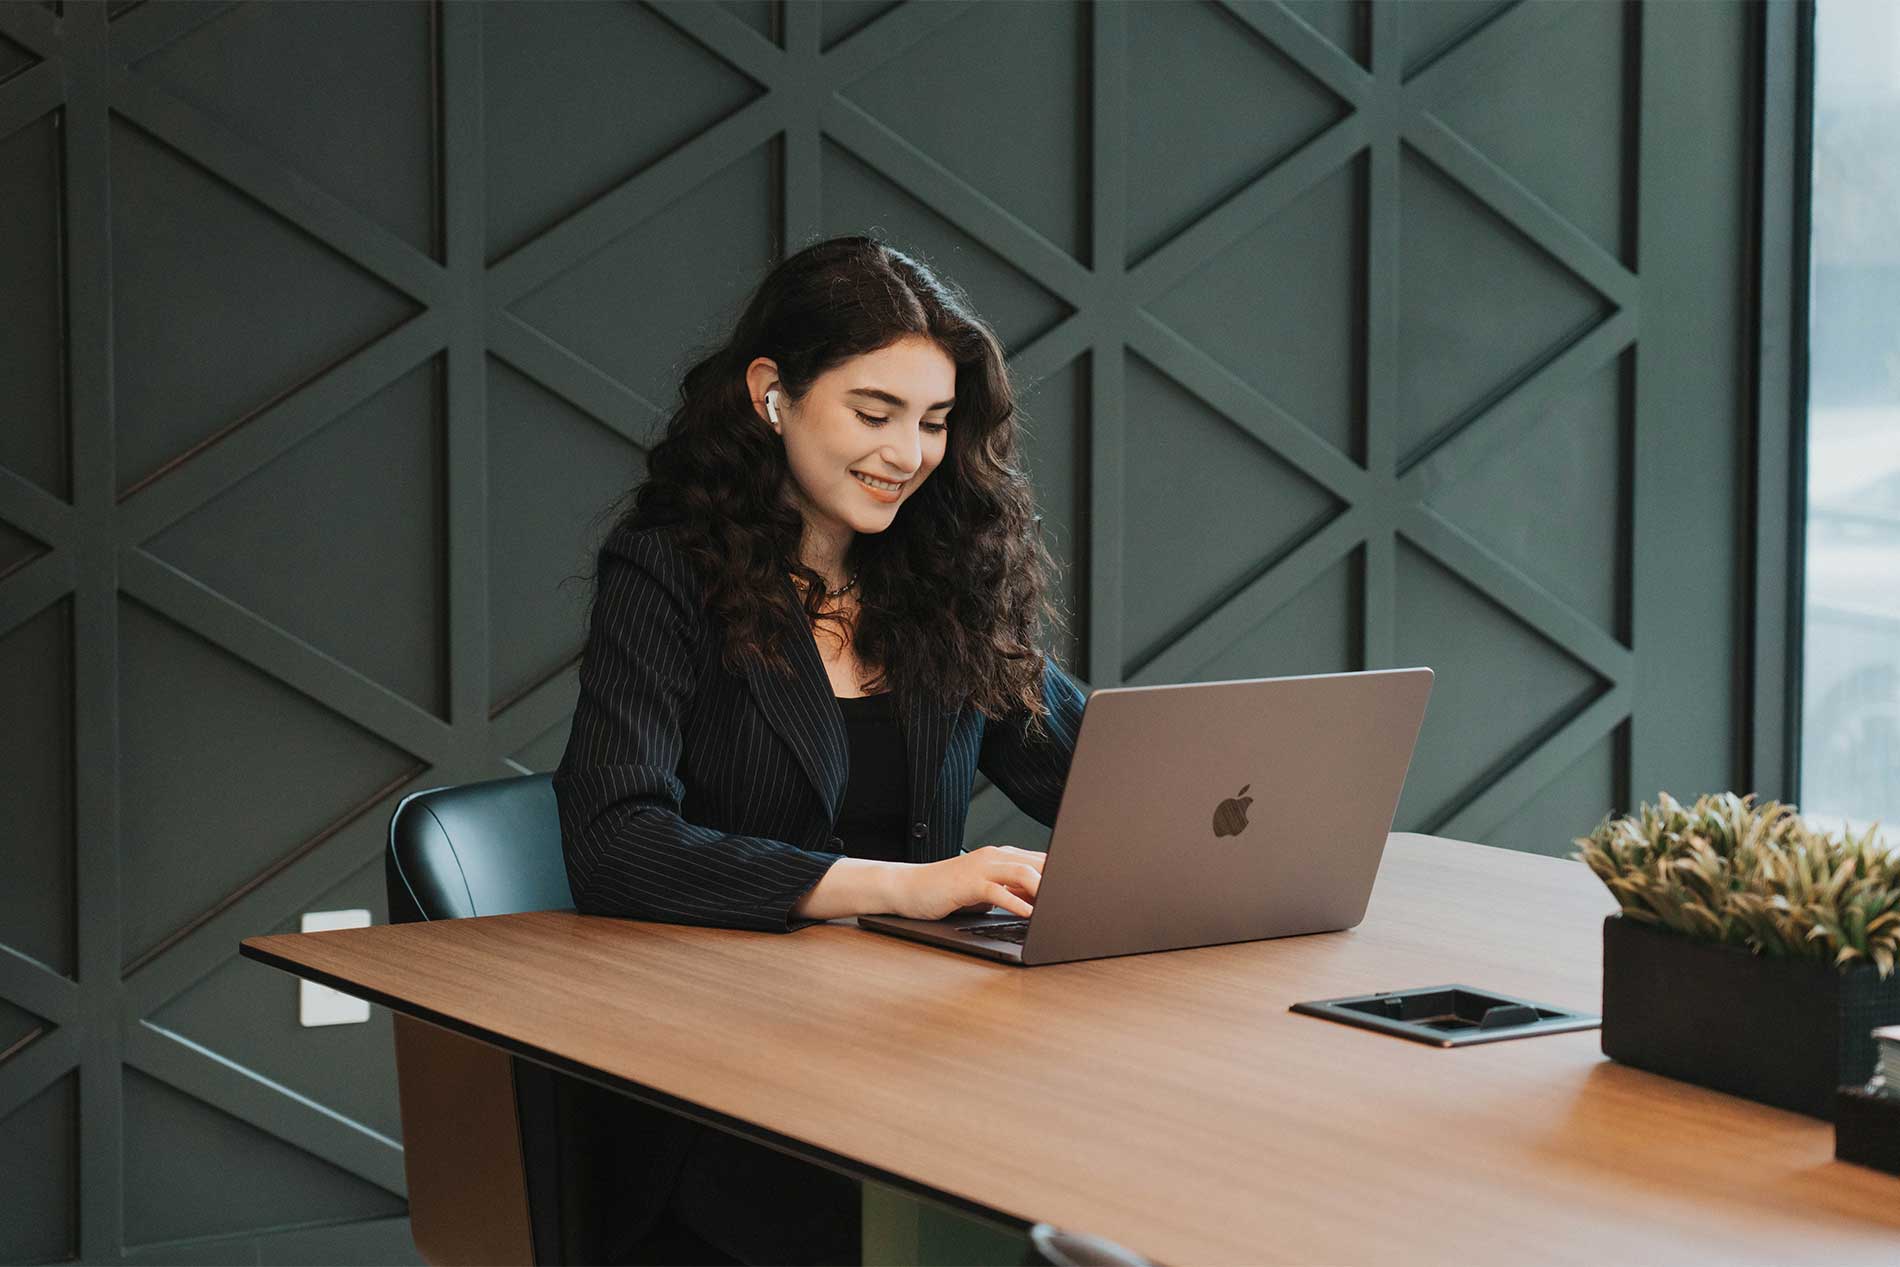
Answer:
(1210, 812)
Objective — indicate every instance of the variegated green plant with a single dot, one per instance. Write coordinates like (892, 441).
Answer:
(1729, 870)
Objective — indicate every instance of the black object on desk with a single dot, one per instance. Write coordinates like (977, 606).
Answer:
(1867, 1129)
(1449, 1015)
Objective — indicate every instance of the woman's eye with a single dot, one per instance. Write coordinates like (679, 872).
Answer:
(875, 421)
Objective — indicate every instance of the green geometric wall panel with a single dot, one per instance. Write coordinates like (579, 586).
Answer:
(262, 1182)
(194, 262)
(1499, 688)
(34, 443)
(987, 71)
(537, 441)
(36, 751)
(333, 74)
(553, 78)
(1198, 68)
(351, 521)
(1303, 273)
(38, 1168)
(1208, 508)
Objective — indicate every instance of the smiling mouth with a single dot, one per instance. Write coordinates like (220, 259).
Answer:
(886, 486)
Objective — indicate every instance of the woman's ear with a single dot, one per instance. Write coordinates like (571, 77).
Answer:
(768, 396)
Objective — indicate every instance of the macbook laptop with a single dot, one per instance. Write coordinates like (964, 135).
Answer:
(1210, 812)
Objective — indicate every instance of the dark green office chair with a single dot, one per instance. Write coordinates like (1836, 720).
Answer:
(498, 1159)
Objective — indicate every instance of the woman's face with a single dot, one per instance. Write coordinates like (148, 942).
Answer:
(879, 415)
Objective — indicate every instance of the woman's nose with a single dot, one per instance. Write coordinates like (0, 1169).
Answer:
(908, 450)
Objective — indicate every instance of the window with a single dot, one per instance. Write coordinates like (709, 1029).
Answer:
(1850, 723)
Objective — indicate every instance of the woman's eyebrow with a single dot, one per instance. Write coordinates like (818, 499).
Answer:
(898, 401)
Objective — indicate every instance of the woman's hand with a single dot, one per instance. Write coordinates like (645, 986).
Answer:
(994, 875)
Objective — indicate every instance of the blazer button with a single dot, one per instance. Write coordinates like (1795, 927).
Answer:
(836, 843)
(920, 831)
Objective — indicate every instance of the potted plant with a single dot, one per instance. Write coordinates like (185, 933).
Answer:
(1752, 954)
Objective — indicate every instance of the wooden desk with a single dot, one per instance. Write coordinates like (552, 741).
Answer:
(1170, 1101)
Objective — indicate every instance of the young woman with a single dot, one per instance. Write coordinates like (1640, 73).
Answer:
(818, 618)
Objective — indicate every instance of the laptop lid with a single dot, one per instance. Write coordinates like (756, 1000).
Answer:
(1207, 812)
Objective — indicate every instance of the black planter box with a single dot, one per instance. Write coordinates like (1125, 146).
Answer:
(1785, 1032)
(1867, 1129)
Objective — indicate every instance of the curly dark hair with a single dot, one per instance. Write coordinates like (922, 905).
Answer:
(953, 594)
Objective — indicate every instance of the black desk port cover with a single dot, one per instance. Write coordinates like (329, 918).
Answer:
(1449, 1015)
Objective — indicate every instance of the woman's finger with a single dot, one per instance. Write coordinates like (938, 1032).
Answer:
(1021, 875)
(1001, 896)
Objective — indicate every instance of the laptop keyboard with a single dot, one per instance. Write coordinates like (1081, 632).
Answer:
(1005, 930)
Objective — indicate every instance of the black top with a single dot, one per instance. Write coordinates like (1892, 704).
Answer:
(874, 818)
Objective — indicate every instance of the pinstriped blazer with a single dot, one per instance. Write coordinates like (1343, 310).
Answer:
(692, 795)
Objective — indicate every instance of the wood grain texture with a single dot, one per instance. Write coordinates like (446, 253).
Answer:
(1170, 1101)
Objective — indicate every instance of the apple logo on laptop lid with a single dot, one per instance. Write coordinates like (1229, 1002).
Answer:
(1230, 816)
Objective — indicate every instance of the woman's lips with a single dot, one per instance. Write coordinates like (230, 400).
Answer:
(882, 494)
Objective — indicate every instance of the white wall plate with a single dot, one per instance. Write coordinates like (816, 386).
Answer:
(319, 1004)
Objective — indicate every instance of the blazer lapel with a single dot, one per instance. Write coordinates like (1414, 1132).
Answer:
(806, 716)
(926, 725)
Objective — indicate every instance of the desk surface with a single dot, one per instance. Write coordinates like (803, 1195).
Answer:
(1170, 1101)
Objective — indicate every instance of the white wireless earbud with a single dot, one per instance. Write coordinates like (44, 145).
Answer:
(771, 407)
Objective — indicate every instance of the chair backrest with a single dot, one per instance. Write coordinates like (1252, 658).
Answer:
(489, 848)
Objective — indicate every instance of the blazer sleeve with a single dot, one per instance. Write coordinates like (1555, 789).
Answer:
(628, 851)
(1033, 771)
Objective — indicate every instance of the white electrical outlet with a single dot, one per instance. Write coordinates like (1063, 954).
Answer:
(319, 1004)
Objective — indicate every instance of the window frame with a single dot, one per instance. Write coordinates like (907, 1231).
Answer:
(1783, 140)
